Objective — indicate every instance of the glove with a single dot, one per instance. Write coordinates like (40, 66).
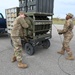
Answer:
(59, 32)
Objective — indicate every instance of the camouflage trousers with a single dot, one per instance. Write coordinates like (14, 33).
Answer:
(66, 42)
(17, 48)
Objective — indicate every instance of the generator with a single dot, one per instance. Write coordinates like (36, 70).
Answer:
(39, 33)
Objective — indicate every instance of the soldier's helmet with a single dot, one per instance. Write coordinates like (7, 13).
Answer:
(70, 14)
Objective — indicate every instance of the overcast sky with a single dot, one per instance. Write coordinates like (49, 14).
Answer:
(61, 7)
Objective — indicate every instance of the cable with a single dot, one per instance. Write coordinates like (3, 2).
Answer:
(60, 57)
(61, 67)
(59, 36)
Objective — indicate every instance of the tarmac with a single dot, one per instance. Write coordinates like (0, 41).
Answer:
(43, 62)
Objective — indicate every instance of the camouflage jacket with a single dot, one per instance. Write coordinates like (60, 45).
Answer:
(18, 26)
(68, 26)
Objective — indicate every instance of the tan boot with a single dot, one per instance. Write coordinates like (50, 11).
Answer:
(14, 59)
(61, 52)
(70, 56)
(21, 65)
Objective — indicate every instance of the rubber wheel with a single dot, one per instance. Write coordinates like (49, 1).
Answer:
(29, 49)
(46, 44)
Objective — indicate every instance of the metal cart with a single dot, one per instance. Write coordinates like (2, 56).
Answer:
(39, 33)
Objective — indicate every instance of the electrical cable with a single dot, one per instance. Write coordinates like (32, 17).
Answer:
(60, 57)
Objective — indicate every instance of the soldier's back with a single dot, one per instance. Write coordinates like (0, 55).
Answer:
(16, 27)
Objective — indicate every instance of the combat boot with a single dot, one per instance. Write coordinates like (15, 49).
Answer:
(21, 65)
(61, 52)
(70, 56)
(14, 59)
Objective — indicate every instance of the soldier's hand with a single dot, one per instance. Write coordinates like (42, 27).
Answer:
(58, 30)
(60, 33)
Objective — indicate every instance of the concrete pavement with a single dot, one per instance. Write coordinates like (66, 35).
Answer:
(43, 62)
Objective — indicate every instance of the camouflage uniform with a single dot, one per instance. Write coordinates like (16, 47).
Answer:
(68, 34)
(16, 33)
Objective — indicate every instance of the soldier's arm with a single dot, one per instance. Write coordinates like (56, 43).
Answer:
(65, 29)
(23, 23)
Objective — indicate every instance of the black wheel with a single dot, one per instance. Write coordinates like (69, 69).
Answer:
(46, 44)
(29, 49)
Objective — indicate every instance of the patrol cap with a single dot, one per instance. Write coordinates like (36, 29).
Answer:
(69, 14)
(22, 12)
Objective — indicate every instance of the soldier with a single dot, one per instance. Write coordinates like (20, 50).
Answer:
(68, 35)
(16, 33)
